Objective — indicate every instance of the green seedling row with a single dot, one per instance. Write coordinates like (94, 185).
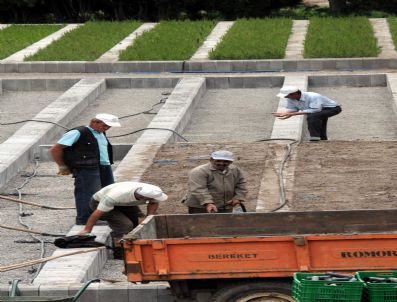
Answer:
(169, 40)
(393, 29)
(86, 43)
(340, 38)
(17, 37)
(254, 39)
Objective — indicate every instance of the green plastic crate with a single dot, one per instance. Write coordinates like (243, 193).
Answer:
(325, 291)
(379, 292)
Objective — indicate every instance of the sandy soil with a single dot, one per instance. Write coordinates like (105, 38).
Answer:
(328, 176)
(173, 162)
(344, 175)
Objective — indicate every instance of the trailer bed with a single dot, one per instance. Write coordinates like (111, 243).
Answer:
(257, 245)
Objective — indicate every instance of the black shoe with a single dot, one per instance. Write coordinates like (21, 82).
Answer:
(118, 253)
(314, 139)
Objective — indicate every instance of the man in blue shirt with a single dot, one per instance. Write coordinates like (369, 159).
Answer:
(318, 109)
(86, 153)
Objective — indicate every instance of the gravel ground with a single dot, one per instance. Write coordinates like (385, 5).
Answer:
(21, 105)
(47, 189)
(44, 188)
(233, 115)
(122, 102)
(367, 113)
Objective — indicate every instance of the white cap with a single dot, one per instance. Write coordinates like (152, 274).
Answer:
(286, 90)
(109, 119)
(222, 155)
(152, 192)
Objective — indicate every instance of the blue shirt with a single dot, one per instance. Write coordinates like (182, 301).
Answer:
(72, 136)
(310, 102)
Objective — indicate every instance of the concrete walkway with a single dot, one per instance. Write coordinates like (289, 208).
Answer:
(292, 127)
(113, 54)
(174, 115)
(43, 43)
(269, 191)
(20, 148)
(212, 40)
(385, 40)
(296, 41)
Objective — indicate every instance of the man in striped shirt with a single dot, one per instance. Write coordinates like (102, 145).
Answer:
(316, 107)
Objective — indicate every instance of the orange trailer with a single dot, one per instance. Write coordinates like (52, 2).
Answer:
(227, 257)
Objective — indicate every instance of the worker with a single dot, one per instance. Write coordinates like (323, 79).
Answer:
(318, 109)
(217, 186)
(86, 153)
(118, 205)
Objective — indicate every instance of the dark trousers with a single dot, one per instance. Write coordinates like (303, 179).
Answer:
(86, 183)
(121, 220)
(204, 210)
(317, 122)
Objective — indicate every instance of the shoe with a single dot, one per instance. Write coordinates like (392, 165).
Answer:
(118, 253)
(101, 223)
(314, 139)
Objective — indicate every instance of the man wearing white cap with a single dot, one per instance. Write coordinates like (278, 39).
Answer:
(217, 186)
(118, 205)
(316, 107)
(86, 153)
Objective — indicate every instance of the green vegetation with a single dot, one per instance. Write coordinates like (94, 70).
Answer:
(340, 38)
(254, 39)
(393, 30)
(169, 40)
(86, 43)
(17, 37)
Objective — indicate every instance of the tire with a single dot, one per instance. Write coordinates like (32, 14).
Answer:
(255, 292)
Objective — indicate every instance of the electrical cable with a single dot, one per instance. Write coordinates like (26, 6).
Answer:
(162, 101)
(30, 231)
(42, 244)
(150, 128)
(283, 200)
(35, 204)
(40, 121)
(43, 260)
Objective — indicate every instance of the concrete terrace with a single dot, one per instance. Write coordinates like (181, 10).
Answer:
(196, 95)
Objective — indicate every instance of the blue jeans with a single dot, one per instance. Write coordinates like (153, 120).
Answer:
(86, 183)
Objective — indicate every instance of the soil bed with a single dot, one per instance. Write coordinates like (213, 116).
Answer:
(173, 162)
(333, 175)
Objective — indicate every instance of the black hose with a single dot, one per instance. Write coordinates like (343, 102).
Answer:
(143, 129)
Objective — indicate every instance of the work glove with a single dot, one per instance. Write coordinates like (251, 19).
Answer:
(63, 170)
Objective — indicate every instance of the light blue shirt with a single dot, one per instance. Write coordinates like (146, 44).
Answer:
(72, 136)
(310, 102)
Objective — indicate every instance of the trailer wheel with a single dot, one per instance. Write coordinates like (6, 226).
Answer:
(255, 292)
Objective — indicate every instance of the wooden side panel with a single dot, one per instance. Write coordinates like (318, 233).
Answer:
(282, 223)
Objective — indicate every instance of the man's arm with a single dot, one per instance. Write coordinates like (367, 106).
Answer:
(56, 152)
(152, 208)
(240, 189)
(287, 114)
(91, 222)
(198, 188)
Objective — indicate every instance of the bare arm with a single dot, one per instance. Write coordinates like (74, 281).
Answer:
(56, 152)
(287, 114)
(152, 208)
(91, 222)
